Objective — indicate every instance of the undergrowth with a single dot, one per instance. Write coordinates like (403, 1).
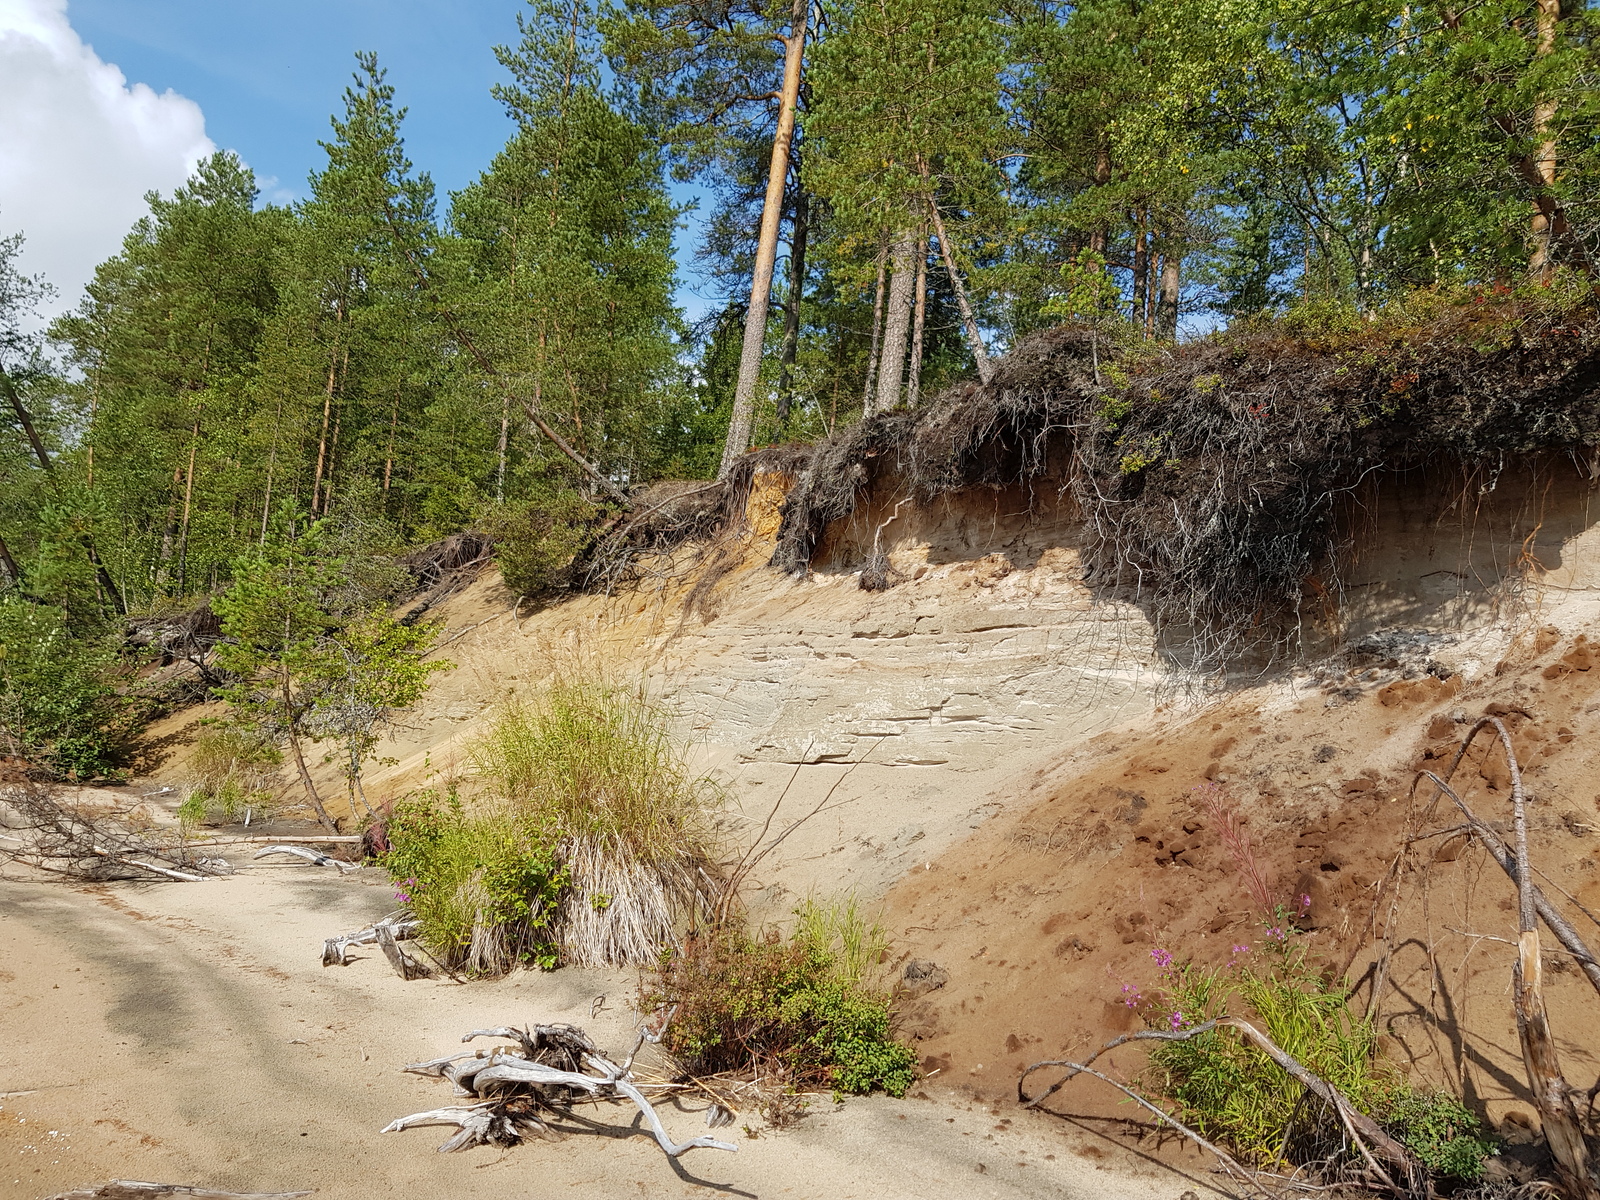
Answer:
(801, 1012)
(485, 885)
(1235, 1093)
(592, 763)
(231, 770)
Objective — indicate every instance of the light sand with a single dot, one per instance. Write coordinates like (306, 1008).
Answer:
(187, 1033)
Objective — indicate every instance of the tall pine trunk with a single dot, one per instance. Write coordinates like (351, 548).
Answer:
(980, 353)
(1548, 217)
(896, 322)
(1167, 298)
(918, 321)
(877, 328)
(755, 322)
(791, 305)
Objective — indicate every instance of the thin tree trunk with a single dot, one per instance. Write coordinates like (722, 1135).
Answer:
(1141, 277)
(25, 419)
(327, 484)
(877, 326)
(9, 564)
(896, 322)
(188, 500)
(394, 421)
(299, 756)
(1545, 216)
(918, 320)
(755, 323)
(1098, 239)
(272, 466)
(500, 452)
(1167, 301)
(791, 307)
(322, 439)
(980, 354)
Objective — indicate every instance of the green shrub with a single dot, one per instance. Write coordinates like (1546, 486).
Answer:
(534, 542)
(60, 702)
(484, 885)
(593, 763)
(1441, 1132)
(802, 1007)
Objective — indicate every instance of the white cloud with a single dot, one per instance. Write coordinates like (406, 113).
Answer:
(79, 148)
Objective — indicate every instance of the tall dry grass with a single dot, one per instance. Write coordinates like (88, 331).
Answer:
(592, 761)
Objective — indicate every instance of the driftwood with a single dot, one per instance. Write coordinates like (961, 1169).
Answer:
(404, 965)
(1365, 1135)
(82, 842)
(336, 950)
(1555, 1099)
(132, 1189)
(310, 855)
(520, 1088)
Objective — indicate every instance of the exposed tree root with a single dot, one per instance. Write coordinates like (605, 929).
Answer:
(519, 1088)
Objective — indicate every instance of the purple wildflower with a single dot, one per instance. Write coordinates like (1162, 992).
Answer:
(1177, 1020)
(1305, 901)
(1163, 958)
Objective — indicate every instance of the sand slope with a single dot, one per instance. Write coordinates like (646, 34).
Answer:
(186, 1033)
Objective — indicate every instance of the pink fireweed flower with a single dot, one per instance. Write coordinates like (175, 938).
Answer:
(1163, 958)
(1130, 995)
(1177, 1020)
(1275, 933)
(1241, 949)
(1305, 901)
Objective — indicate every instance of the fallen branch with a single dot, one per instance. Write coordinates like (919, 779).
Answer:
(546, 1071)
(1365, 1134)
(305, 852)
(82, 842)
(336, 950)
(404, 965)
(1553, 1097)
(132, 1189)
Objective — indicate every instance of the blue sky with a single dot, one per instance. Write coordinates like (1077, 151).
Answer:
(267, 76)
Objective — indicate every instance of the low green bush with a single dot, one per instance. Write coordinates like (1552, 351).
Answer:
(802, 1007)
(1235, 1093)
(534, 542)
(485, 886)
(1442, 1132)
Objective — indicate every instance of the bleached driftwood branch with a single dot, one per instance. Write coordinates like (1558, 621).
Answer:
(547, 1069)
(133, 1189)
(336, 950)
(314, 856)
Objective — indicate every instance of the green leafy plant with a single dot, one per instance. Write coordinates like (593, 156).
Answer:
(485, 886)
(804, 1007)
(1234, 1092)
(62, 701)
(535, 541)
(1442, 1133)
